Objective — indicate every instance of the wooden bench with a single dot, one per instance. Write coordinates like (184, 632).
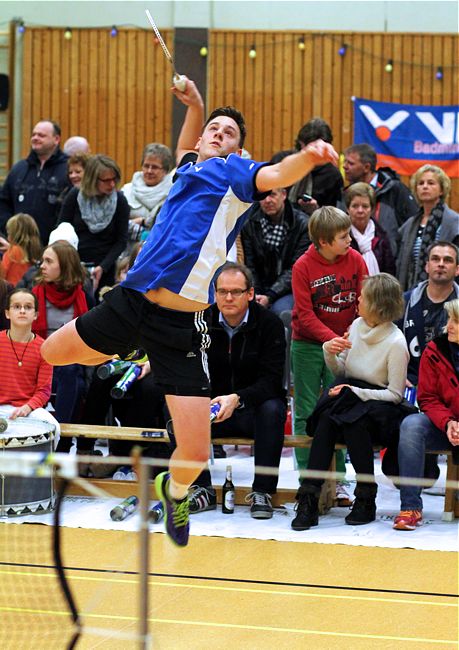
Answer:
(283, 495)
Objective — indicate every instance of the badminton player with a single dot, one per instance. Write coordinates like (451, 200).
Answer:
(161, 305)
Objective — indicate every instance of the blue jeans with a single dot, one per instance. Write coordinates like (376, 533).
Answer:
(417, 433)
(265, 424)
(285, 303)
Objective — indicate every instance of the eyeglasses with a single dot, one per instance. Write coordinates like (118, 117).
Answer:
(153, 168)
(107, 180)
(236, 293)
(17, 307)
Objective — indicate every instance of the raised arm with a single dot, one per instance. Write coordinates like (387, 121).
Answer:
(194, 119)
(294, 167)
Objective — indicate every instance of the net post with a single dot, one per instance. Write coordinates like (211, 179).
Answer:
(144, 538)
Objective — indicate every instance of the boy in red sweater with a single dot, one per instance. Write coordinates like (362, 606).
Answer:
(26, 377)
(326, 282)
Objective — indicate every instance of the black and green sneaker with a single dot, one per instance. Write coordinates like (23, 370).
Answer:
(176, 513)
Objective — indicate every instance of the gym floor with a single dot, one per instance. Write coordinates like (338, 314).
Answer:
(228, 593)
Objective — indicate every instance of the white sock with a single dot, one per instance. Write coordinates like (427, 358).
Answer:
(177, 491)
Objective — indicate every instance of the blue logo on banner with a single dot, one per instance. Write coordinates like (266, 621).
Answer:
(406, 136)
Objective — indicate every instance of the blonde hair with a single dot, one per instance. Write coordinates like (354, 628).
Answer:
(384, 297)
(440, 176)
(95, 166)
(360, 189)
(22, 231)
(325, 223)
(452, 309)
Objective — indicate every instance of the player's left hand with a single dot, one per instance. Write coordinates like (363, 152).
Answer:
(21, 412)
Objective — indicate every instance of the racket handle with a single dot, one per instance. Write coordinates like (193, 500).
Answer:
(179, 81)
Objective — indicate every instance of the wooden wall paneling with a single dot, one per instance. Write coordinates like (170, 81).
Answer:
(131, 86)
(288, 118)
(307, 91)
(342, 129)
(427, 77)
(56, 85)
(399, 73)
(298, 57)
(27, 76)
(114, 70)
(337, 82)
(437, 84)
(329, 55)
(416, 83)
(266, 114)
(318, 71)
(380, 82)
(141, 131)
(64, 93)
(103, 38)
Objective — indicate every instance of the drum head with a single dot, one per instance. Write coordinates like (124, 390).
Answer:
(26, 432)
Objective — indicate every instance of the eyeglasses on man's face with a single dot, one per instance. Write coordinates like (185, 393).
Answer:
(235, 293)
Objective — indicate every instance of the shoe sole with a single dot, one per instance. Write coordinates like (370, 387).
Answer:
(404, 527)
(162, 497)
(359, 523)
(261, 515)
(299, 528)
(196, 512)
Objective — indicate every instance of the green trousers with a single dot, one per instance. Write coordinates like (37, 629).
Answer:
(310, 377)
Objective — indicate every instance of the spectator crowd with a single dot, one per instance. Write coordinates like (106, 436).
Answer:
(349, 285)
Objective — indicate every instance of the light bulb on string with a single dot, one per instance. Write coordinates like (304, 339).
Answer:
(253, 52)
(203, 51)
(343, 49)
(389, 66)
(114, 31)
(439, 73)
(21, 27)
(301, 44)
(68, 34)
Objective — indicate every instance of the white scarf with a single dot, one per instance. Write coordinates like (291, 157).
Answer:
(96, 214)
(364, 243)
(138, 194)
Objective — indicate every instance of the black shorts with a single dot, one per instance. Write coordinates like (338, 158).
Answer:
(175, 341)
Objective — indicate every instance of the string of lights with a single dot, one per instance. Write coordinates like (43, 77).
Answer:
(343, 48)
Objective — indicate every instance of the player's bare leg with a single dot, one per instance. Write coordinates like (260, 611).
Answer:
(65, 346)
(192, 433)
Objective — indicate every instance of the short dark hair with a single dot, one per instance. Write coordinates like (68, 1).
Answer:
(313, 130)
(443, 243)
(22, 290)
(234, 114)
(366, 153)
(236, 267)
(55, 125)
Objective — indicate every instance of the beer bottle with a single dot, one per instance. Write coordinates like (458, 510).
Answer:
(228, 493)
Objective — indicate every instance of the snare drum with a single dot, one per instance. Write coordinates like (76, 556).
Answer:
(26, 495)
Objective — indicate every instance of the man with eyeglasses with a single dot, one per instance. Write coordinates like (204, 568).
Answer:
(246, 365)
(161, 305)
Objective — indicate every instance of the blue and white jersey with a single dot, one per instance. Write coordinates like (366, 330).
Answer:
(196, 227)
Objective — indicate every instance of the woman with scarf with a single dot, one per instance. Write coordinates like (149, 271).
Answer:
(61, 298)
(100, 216)
(434, 221)
(148, 189)
(368, 237)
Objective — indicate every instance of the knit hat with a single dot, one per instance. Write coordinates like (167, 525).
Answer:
(66, 232)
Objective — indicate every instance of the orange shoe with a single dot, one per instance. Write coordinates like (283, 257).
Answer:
(407, 520)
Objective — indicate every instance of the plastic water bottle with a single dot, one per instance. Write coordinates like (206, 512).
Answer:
(124, 509)
(156, 513)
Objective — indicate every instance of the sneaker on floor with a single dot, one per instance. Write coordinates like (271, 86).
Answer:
(342, 498)
(124, 473)
(408, 520)
(260, 505)
(175, 512)
(201, 499)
